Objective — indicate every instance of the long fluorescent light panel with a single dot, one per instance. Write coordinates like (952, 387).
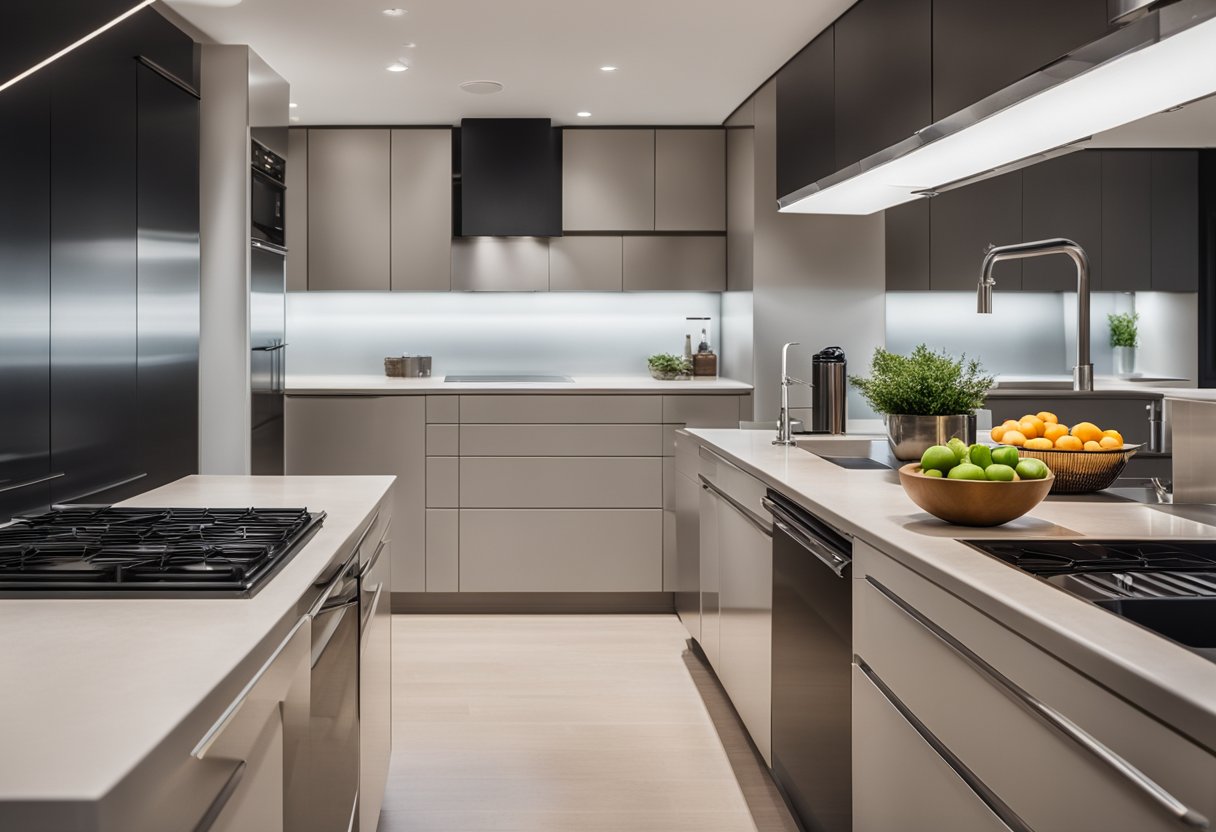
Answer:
(1174, 71)
(18, 78)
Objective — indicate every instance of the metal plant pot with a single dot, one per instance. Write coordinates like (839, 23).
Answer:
(910, 436)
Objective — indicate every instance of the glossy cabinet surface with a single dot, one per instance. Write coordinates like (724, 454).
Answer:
(806, 115)
(348, 209)
(965, 222)
(1127, 220)
(690, 180)
(1175, 227)
(1062, 197)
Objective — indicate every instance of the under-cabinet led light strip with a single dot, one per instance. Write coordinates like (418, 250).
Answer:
(65, 50)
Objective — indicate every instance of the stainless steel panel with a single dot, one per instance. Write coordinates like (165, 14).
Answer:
(94, 375)
(267, 321)
(25, 310)
(167, 251)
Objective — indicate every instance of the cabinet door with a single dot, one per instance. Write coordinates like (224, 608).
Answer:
(375, 688)
(965, 222)
(421, 210)
(1062, 197)
(94, 301)
(690, 180)
(668, 264)
(687, 554)
(884, 84)
(740, 208)
(608, 180)
(343, 435)
(500, 264)
(707, 545)
(900, 781)
(806, 116)
(256, 804)
(348, 209)
(1127, 218)
(295, 228)
(25, 308)
(746, 586)
(907, 247)
(967, 67)
(585, 264)
(1175, 220)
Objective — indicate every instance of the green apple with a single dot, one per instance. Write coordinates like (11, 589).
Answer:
(938, 458)
(959, 447)
(932, 472)
(999, 473)
(1005, 455)
(1032, 469)
(980, 455)
(966, 471)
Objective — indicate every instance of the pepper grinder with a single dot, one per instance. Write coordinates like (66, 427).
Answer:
(704, 362)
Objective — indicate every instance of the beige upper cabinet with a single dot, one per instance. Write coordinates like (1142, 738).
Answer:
(296, 221)
(740, 208)
(608, 180)
(690, 180)
(585, 263)
(421, 210)
(348, 209)
(673, 264)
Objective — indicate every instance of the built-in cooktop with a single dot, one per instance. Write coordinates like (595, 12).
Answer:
(150, 552)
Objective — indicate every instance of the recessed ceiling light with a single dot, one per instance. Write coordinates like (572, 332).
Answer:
(397, 67)
(583, 114)
(409, 45)
(481, 87)
(608, 68)
(394, 12)
(293, 105)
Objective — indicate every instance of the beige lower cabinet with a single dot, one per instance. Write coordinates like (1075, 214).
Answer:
(442, 550)
(555, 550)
(257, 803)
(343, 435)
(561, 482)
(1043, 746)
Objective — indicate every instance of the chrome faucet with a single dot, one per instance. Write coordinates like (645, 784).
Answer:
(784, 434)
(1083, 373)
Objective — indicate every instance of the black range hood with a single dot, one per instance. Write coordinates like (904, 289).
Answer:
(510, 178)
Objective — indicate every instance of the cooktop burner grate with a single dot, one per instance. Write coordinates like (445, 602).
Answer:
(149, 551)
(1067, 557)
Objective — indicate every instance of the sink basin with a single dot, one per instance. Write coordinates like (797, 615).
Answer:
(837, 446)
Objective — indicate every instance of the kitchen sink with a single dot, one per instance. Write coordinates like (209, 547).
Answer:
(853, 454)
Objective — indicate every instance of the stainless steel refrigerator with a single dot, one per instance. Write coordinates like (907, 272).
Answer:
(267, 322)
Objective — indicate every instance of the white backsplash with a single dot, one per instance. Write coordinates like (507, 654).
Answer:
(1033, 333)
(568, 333)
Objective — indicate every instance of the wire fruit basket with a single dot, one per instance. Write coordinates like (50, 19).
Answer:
(1083, 472)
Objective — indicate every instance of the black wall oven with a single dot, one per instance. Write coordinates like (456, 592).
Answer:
(268, 194)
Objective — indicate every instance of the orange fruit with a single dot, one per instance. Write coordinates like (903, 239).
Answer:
(1110, 443)
(998, 432)
(1040, 444)
(1114, 434)
(1093, 446)
(1013, 437)
(1087, 431)
(1010, 424)
(1054, 430)
(1069, 443)
(1046, 416)
(1030, 427)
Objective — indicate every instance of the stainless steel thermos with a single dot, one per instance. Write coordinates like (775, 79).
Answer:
(829, 375)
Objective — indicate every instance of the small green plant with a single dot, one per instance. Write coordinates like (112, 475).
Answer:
(925, 383)
(1123, 329)
(667, 364)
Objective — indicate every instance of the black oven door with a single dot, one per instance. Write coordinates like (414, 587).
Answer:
(267, 207)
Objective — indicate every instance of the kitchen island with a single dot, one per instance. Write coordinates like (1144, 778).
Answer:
(104, 698)
(1150, 699)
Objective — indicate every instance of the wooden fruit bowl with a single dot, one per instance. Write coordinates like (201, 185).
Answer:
(973, 502)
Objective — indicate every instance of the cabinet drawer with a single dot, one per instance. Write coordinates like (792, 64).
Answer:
(701, 411)
(899, 779)
(561, 551)
(442, 440)
(561, 440)
(442, 482)
(561, 409)
(1036, 769)
(561, 482)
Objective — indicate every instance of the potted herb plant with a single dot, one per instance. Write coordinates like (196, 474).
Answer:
(1124, 338)
(927, 397)
(666, 366)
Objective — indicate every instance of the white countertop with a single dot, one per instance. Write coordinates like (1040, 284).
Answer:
(383, 385)
(90, 687)
(1171, 682)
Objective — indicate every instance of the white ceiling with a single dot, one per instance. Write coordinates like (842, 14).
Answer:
(680, 61)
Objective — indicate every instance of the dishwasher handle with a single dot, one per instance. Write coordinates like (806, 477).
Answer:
(825, 553)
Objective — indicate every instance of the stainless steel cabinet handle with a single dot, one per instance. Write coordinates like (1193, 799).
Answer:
(221, 800)
(825, 554)
(736, 505)
(371, 563)
(265, 246)
(14, 486)
(234, 707)
(365, 624)
(1141, 781)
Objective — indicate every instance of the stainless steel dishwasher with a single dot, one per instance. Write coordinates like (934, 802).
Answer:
(812, 658)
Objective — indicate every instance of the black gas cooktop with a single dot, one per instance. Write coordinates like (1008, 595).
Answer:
(1064, 557)
(150, 552)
